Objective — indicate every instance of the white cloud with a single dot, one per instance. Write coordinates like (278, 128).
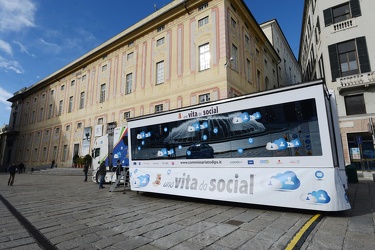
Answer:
(16, 14)
(5, 106)
(23, 48)
(50, 47)
(4, 46)
(9, 65)
(4, 96)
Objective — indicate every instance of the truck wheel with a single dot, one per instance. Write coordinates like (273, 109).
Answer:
(95, 178)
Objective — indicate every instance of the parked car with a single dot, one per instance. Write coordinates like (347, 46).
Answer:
(200, 151)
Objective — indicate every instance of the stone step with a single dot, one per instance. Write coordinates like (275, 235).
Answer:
(62, 171)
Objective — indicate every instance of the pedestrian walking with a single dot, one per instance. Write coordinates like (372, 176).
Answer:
(102, 172)
(86, 170)
(12, 169)
(21, 167)
(53, 163)
(118, 169)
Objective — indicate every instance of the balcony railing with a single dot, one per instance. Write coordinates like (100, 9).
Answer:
(344, 25)
(363, 81)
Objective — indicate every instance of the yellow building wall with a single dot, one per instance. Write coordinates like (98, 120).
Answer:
(45, 136)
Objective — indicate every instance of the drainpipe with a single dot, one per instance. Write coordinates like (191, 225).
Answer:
(371, 128)
(277, 64)
(186, 7)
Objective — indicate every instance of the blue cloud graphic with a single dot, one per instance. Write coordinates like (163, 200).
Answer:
(204, 125)
(320, 197)
(141, 181)
(271, 146)
(194, 127)
(165, 152)
(282, 144)
(245, 117)
(256, 116)
(288, 180)
(296, 143)
(143, 135)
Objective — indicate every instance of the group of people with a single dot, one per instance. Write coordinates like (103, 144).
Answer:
(102, 171)
(12, 169)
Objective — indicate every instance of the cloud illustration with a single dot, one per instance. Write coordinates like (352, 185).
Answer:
(204, 125)
(191, 129)
(237, 120)
(194, 127)
(245, 117)
(143, 135)
(279, 144)
(272, 183)
(141, 181)
(316, 197)
(285, 181)
(271, 146)
(294, 143)
(255, 116)
(165, 152)
(282, 144)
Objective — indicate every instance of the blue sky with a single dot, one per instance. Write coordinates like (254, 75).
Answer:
(38, 37)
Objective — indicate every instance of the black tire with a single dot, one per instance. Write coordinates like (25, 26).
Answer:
(96, 178)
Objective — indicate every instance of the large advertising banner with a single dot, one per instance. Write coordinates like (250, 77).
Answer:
(305, 188)
(86, 140)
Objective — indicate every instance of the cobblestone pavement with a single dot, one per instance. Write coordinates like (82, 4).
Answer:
(50, 211)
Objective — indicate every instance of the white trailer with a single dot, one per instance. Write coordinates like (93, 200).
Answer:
(278, 148)
(104, 151)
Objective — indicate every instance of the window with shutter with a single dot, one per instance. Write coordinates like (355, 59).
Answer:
(349, 58)
(327, 17)
(335, 72)
(355, 8)
(364, 61)
(342, 12)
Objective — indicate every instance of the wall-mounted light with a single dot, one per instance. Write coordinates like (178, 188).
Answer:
(228, 63)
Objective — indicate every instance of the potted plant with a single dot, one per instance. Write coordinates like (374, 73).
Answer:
(75, 160)
(87, 159)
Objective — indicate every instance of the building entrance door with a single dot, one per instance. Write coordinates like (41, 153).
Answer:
(361, 150)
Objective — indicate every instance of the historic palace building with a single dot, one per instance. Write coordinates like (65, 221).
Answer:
(186, 53)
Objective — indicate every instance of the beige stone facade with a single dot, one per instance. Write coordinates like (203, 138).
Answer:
(186, 53)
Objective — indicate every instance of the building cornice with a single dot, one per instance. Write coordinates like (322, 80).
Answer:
(151, 22)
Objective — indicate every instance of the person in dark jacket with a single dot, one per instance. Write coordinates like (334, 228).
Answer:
(86, 170)
(53, 163)
(102, 172)
(118, 169)
(12, 169)
(21, 167)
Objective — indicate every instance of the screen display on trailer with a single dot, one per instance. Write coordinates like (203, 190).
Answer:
(286, 129)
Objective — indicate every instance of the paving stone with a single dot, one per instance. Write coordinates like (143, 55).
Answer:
(204, 239)
(173, 239)
(221, 230)
(235, 239)
(256, 244)
(111, 220)
(158, 233)
(132, 242)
